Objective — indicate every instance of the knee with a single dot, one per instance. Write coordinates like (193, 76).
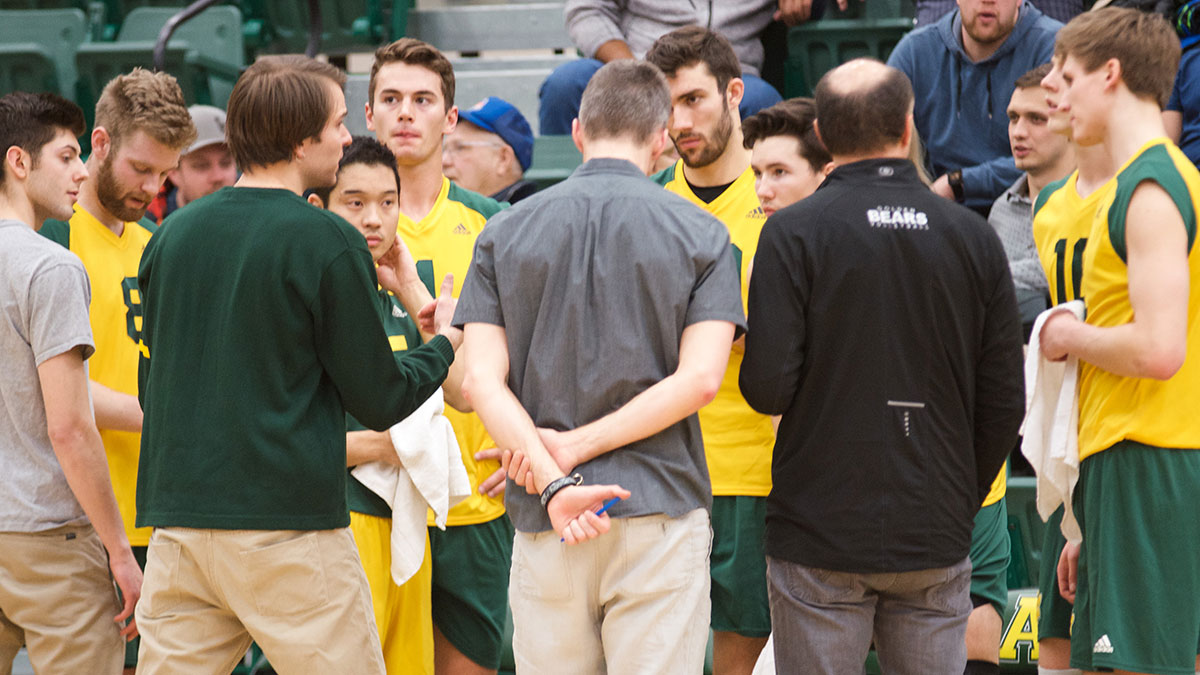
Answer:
(559, 95)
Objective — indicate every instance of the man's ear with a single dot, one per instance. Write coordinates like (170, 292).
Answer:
(17, 162)
(315, 200)
(735, 91)
(451, 121)
(101, 143)
(577, 134)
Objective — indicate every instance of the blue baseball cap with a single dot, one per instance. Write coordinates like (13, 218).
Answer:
(503, 119)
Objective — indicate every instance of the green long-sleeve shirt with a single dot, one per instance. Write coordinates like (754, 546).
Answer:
(260, 334)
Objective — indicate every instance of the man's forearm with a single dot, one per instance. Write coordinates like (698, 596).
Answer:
(703, 357)
(115, 410)
(668, 401)
(613, 50)
(369, 446)
(511, 427)
(81, 455)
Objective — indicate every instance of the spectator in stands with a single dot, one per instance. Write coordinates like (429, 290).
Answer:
(612, 366)
(206, 166)
(713, 173)
(490, 151)
(925, 419)
(606, 30)
(788, 160)
(142, 126)
(1182, 114)
(60, 529)
(261, 334)
(962, 69)
(929, 11)
(1046, 157)
(411, 108)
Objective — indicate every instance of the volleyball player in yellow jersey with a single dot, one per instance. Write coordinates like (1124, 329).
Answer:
(142, 126)
(1139, 349)
(366, 195)
(410, 109)
(1063, 215)
(714, 174)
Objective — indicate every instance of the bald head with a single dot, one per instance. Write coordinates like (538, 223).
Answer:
(863, 107)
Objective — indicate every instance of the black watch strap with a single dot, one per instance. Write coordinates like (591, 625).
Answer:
(558, 484)
(954, 178)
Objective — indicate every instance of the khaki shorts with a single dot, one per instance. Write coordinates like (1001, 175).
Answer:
(633, 600)
(302, 594)
(57, 597)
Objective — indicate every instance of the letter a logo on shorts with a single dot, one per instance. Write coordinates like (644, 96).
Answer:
(1102, 646)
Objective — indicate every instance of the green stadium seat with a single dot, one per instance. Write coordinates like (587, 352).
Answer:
(816, 48)
(554, 158)
(37, 49)
(1025, 529)
(346, 25)
(205, 54)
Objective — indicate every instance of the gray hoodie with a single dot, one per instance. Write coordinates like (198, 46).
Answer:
(639, 23)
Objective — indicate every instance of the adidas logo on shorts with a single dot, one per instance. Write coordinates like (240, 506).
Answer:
(461, 229)
(1102, 646)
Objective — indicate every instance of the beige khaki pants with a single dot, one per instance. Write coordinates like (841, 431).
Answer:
(301, 595)
(634, 600)
(57, 597)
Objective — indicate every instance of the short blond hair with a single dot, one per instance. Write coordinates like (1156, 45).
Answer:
(1143, 43)
(145, 101)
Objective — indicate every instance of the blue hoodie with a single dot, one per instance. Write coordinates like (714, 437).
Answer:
(961, 106)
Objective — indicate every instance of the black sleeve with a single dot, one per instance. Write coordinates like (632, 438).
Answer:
(376, 388)
(999, 376)
(775, 345)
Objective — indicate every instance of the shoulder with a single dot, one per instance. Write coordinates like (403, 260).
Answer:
(484, 206)
(1049, 191)
(58, 231)
(146, 224)
(666, 176)
(1166, 166)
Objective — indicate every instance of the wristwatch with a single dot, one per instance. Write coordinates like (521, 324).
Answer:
(558, 484)
(954, 178)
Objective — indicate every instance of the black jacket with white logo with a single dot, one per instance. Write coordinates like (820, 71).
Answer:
(884, 328)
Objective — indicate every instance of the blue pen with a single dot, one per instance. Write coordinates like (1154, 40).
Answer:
(603, 507)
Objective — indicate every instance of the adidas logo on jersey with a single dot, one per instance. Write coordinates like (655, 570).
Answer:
(756, 213)
(1102, 646)
(397, 312)
(461, 229)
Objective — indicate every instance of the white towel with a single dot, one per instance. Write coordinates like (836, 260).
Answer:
(431, 476)
(1051, 427)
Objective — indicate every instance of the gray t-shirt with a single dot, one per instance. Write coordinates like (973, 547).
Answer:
(594, 281)
(44, 296)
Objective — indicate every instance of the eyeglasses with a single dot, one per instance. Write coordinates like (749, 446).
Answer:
(458, 147)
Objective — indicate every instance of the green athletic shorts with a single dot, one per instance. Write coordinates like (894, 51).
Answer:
(739, 566)
(470, 586)
(1054, 612)
(1138, 582)
(989, 557)
(131, 647)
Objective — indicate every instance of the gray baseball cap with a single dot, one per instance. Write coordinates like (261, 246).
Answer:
(210, 126)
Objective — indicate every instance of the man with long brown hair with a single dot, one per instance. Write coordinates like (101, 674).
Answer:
(260, 334)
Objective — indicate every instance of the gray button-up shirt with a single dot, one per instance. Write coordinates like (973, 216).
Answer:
(594, 281)
(1012, 218)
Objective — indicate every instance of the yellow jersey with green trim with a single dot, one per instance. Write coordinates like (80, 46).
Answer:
(116, 317)
(737, 440)
(1113, 408)
(1062, 221)
(442, 243)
